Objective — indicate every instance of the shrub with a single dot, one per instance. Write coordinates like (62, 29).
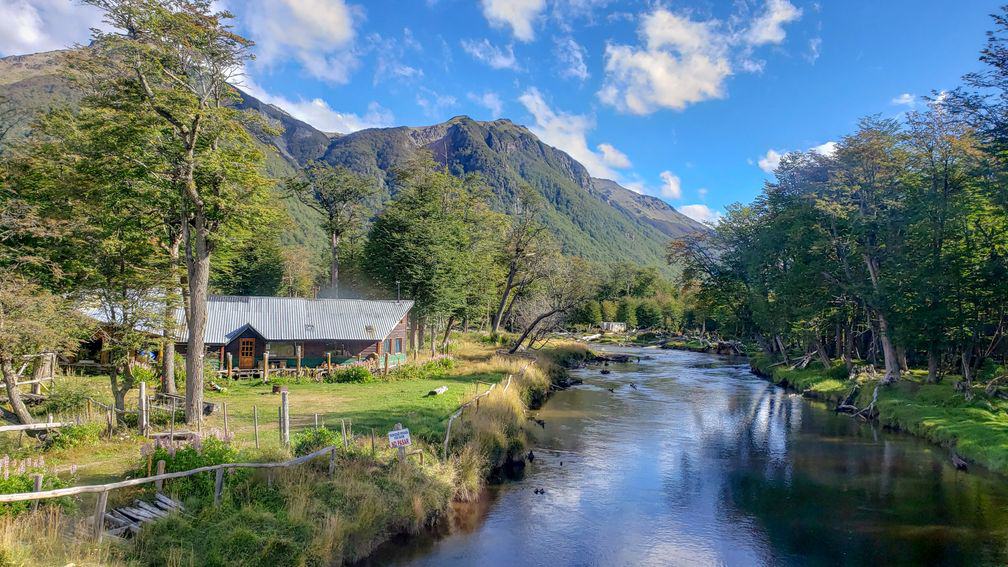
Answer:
(429, 370)
(18, 476)
(350, 374)
(202, 452)
(311, 440)
(69, 395)
(75, 436)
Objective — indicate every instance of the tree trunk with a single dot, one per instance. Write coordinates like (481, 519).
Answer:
(901, 358)
(848, 347)
(198, 264)
(890, 358)
(508, 286)
(529, 330)
(169, 328)
(10, 381)
(447, 332)
(821, 350)
(334, 267)
(932, 377)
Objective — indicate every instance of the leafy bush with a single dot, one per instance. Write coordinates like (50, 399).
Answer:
(21, 480)
(354, 374)
(69, 395)
(426, 371)
(200, 453)
(311, 440)
(75, 436)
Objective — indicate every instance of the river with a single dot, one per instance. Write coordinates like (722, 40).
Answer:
(704, 463)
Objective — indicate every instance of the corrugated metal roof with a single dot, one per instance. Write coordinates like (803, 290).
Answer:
(297, 319)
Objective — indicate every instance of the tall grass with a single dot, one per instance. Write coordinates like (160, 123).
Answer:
(48, 536)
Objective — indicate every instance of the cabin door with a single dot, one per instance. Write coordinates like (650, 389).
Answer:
(246, 353)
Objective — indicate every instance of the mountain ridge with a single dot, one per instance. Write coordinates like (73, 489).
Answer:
(594, 218)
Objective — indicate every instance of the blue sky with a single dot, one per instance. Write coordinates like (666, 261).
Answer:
(690, 101)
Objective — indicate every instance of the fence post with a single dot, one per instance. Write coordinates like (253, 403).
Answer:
(343, 425)
(224, 409)
(328, 361)
(298, 353)
(265, 372)
(230, 366)
(372, 443)
(171, 439)
(332, 462)
(99, 517)
(37, 487)
(142, 413)
(255, 424)
(218, 486)
(159, 483)
(284, 419)
(316, 421)
(402, 450)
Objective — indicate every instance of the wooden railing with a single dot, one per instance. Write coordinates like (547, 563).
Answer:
(103, 489)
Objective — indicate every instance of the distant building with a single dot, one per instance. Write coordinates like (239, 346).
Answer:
(347, 329)
(613, 327)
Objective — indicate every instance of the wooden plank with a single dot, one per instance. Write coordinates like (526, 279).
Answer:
(34, 426)
(153, 510)
(169, 502)
(116, 519)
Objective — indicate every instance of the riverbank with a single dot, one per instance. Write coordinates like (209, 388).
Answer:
(304, 516)
(976, 430)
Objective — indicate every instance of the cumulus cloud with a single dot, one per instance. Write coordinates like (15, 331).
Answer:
(44, 25)
(671, 185)
(569, 133)
(319, 114)
(318, 34)
(390, 54)
(905, 99)
(682, 61)
(769, 162)
(496, 57)
(612, 156)
(489, 100)
(434, 103)
(571, 58)
(700, 213)
(768, 27)
(519, 15)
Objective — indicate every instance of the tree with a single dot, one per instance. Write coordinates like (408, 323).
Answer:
(648, 314)
(422, 242)
(566, 286)
(626, 312)
(608, 310)
(589, 313)
(32, 321)
(526, 251)
(340, 196)
(177, 58)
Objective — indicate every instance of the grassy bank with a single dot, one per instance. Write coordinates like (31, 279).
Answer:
(977, 429)
(302, 516)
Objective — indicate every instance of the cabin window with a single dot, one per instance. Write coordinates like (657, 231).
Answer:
(388, 345)
(398, 346)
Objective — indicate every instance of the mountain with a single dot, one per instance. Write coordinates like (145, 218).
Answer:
(593, 218)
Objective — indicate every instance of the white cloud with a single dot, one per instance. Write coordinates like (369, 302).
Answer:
(905, 99)
(489, 100)
(702, 192)
(569, 133)
(45, 25)
(671, 185)
(319, 34)
(769, 26)
(827, 149)
(681, 61)
(390, 53)
(770, 161)
(814, 48)
(519, 15)
(570, 55)
(700, 213)
(319, 114)
(434, 103)
(612, 156)
(496, 57)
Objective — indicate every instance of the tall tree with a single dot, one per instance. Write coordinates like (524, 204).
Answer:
(340, 196)
(177, 58)
(526, 251)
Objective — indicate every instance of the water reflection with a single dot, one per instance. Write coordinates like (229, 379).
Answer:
(706, 464)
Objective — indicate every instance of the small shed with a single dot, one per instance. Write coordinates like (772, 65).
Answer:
(613, 326)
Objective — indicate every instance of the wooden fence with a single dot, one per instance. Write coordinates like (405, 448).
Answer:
(103, 490)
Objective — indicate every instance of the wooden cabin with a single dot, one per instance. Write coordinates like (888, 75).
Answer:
(336, 330)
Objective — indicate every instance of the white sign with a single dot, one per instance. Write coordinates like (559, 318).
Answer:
(399, 438)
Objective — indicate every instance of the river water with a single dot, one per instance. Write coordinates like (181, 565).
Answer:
(704, 463)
